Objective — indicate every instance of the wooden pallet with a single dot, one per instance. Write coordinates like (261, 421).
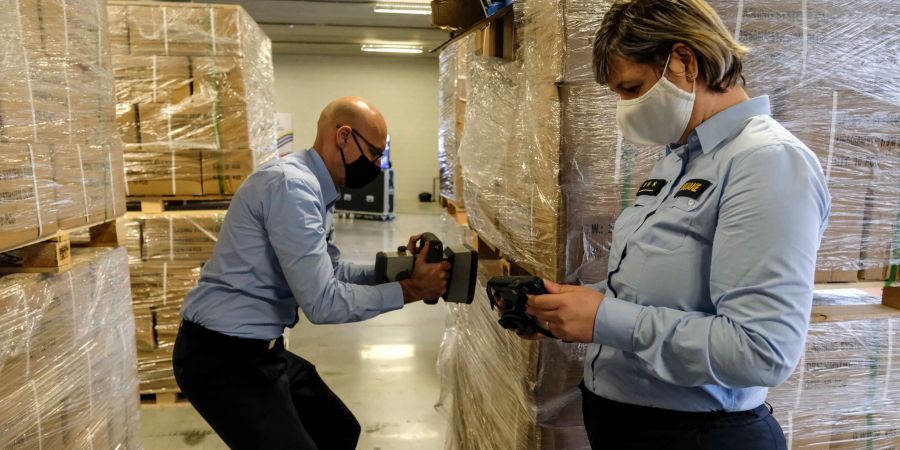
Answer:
(508, 266)
(176, 203)
(53, 254)
(164, 398)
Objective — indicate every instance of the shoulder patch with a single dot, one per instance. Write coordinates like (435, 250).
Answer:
(693, 188)
(651, 187)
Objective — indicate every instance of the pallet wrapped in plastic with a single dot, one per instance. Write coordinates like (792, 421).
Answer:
(829, 69)
(502, 392)
(61, 164)
(166, 252)
(851, 122)
(843, 393)
(511, 175)
(452, 97)
(195, 96)
(158, 289)
(67, 357)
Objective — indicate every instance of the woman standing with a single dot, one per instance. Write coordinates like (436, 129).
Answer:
(708, 296)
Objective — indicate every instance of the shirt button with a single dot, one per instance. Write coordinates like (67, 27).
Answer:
(321, 230)
(691, 202)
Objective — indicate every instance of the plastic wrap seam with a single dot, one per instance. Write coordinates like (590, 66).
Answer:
(202, 229)
(165, 283)
(171, 240)
(37, 414)
(37, 194)
(87, 212)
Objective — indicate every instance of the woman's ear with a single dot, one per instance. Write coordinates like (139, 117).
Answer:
(688, 60)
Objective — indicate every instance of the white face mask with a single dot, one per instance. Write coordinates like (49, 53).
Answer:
(659, 117)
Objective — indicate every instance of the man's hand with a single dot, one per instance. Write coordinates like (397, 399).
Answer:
(569, 311)
(428, 280)
(413, 241)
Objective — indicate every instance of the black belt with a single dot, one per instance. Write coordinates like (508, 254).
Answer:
(628, 413)
(222, 342)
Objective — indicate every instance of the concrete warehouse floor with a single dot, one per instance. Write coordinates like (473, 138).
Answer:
(384, 369)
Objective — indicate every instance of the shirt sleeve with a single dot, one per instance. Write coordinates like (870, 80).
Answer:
(346, 271)
(295, 227)
(772, 213)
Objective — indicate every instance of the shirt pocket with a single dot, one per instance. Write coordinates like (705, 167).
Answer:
(677, 219)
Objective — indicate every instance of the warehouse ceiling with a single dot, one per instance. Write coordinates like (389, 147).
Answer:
(339, 27)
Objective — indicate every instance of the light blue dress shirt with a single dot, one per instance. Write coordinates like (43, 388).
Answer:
(276, 252)
(709, 295)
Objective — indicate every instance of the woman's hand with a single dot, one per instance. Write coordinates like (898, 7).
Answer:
(569, 311)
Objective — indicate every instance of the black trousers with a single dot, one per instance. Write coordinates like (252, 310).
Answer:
(257, 397)
(614, 425)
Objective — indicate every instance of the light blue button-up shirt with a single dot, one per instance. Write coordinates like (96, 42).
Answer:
(275, 252)
(711, 278)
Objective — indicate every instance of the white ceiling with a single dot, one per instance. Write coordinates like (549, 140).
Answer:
(338, 27)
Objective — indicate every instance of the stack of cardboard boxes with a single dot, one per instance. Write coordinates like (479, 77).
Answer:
(194, 94)
(68, 358)
(827, 68)
(165, 252)
(61, 163)
(565, 173)
(842, 394)
(547, 173)
(452, 108)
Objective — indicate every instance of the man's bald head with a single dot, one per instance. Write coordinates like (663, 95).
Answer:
(346, 128)
(357, 113)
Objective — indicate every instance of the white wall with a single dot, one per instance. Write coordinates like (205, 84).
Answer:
(403, 89)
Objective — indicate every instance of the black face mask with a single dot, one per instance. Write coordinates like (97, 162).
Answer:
(360, 172)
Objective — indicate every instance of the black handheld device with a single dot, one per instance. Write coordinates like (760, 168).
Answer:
(390, 266)
(514, 292)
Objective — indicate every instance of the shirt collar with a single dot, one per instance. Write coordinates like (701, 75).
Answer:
(317, 166)
(708, 135)
(723, 125)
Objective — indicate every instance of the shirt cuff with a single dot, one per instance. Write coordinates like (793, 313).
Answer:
(391, 296)
(615, 323)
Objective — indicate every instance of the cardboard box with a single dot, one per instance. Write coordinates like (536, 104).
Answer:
(225, 170)
(117, 206)
(43, 27)
(100, 183)
(837, 125)
(70, 185)
(127, 122)
(152, 79)
(158, 284)
(221, 79)
(183, 126)
(143, 328)
(455, 14)
(118, 30)
(156, 170)
(181, 237)
(27, 197)
(184, 30)
(39, 115)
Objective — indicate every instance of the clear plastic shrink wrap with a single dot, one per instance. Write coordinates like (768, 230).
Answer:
(829, 68)
(848, 113)
(166, 252)
(502, 392)
(546, 175)
(67, 357)
(452, 97)
(195, 96)
(61, 164)
(843, 394)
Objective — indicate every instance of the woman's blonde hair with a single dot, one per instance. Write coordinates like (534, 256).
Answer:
(644, 31)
